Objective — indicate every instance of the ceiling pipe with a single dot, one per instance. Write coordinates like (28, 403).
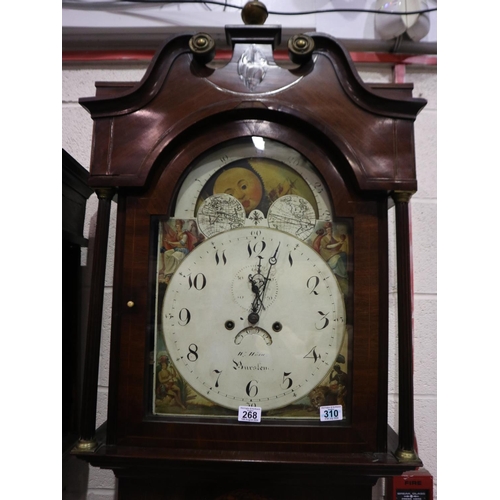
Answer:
(76, 40)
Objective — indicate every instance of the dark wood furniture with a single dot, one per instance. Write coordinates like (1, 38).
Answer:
(146, 134)
(75, 193)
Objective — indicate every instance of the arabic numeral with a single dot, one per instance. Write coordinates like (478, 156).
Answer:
(312, 355)
(198, 283)
(331, 413)
(218, 372)
(258, 248)
(193, 353)
(287, 381)
(250, 415)
(312, 283)
(324, 319)
(252, 388)
(184, 316)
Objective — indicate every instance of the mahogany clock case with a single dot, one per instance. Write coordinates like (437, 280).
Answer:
(134, 283)
(146, 138)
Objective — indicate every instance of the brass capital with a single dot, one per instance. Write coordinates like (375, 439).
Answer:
(402, 196)
(105, 193)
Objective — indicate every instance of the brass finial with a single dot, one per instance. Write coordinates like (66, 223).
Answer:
(254, 13)
(201, 42)
(202, 46)
(300, 48)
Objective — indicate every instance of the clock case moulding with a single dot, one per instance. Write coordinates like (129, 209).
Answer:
(359, 137)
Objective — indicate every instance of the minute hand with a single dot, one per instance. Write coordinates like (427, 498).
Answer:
(272, 262)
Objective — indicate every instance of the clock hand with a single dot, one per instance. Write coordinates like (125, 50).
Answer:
(257, 303)
(256, 288)
(259, 264)
(259, 288)
(273, 259)
(253, 317)
(272, 262)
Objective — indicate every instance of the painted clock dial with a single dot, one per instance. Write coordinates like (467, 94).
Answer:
(253, 316)
(232, 328)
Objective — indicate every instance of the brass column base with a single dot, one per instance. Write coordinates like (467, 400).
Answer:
(85, 445)
(406, 455)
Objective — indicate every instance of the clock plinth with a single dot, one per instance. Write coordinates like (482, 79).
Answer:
(251, 270)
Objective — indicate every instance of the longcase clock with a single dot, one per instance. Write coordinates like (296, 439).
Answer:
(250, 296)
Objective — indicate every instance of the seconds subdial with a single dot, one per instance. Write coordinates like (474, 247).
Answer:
(241, 287)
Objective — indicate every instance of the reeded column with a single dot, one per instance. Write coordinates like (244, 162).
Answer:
(87, 440)
(406, 449)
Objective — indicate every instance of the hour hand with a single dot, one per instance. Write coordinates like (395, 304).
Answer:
(256, 289)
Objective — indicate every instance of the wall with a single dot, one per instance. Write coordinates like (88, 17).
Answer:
(78, 81)
(121, 23)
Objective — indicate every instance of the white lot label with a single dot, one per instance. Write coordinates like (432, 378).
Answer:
(330, 413)
(249, 414)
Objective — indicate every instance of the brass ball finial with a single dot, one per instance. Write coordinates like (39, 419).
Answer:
(201, 42)
(301, 43)
(254, 13)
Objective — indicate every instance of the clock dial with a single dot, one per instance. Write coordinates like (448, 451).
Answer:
(253, 316)
(252, 276)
